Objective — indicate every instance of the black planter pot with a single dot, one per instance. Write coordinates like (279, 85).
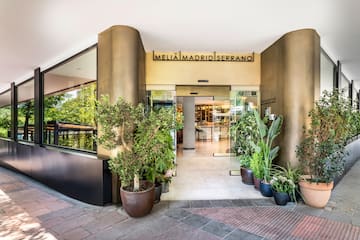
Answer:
(265, 189)
(247, 176)
(281, 198)
(158, 191)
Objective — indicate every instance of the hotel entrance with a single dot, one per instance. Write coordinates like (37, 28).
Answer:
(204, 154)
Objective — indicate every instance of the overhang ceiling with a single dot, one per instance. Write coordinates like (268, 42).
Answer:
(40, 33)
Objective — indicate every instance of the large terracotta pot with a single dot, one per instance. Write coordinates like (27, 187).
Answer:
(247, 176)
(316, 194)
(138, 204)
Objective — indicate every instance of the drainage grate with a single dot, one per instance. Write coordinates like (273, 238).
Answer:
(278, 223)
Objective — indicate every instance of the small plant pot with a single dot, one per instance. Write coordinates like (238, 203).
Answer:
(281, 198)
(247, 176)
(265, 189)
(165, 187)
(158, 191)
(257, 183)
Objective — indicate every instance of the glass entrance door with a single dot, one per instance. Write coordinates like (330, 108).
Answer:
(241, 101)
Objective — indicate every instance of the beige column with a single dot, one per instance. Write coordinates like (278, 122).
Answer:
(189, 123)
(121, 72)
(290, 81)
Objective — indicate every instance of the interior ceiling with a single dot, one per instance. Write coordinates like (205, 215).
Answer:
(40, 33)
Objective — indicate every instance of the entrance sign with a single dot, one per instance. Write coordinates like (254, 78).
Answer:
(203, 57)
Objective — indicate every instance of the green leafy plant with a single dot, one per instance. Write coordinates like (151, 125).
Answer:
(139, 142)
(257, 165)
(281, 183)
(243, 132)
(322, 151)
(288, 176)
(265, 144)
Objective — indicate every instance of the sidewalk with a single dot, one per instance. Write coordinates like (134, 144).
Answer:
(29, 210)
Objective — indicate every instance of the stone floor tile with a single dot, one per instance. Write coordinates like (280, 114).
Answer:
(243, 202)
(100, 223)
(217, 228)
(238, 234)
(195, 221)
(179, 204)
(177, 213)
(200, 204)
(75, 234)
(222, 203)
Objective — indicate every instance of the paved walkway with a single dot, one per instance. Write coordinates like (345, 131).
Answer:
(29, 210)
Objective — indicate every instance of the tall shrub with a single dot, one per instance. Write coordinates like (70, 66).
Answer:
(322, 151)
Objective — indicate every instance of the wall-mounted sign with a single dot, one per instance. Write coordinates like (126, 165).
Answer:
(203, 57)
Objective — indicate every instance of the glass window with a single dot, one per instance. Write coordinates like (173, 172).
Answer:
(344, 85)
(26, 111)
(69, 103)
(326, 72)
(5, 114)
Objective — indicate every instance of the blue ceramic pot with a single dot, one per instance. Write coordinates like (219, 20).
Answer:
(265, 189)
(281, 198)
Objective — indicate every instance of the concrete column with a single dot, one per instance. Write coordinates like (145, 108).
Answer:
(290, 83)
(121, 73)
(189, 123)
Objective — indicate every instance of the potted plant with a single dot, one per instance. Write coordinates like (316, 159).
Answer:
(257, 167)
(160, 158)
(264, 147)
(284, 184)
(136, 140)
(321, 153)
(243, 132)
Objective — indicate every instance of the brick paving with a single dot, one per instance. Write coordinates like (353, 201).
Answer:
(29, 210)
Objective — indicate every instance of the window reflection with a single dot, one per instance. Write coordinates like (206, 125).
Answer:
(69, 103)
(26, 111)
(5, 114)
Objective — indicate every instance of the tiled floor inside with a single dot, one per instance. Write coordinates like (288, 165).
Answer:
(201, 175)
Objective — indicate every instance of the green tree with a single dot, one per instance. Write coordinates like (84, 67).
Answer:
(5, 121)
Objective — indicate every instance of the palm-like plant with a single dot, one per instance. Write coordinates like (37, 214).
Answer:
(264, 146)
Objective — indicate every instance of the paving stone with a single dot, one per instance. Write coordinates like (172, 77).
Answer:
(200, 204)
(179, 204)
(184, 231)
(77, 233)
(195, 221)
(222, 203)
(243, 202)
(217, 228)
(98, 224)
(264, 202)
(238, 234)
(177, 213)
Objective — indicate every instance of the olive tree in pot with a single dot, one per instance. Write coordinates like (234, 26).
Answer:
(243, 132)
(264, 149)
(133, 139)
(322, 152)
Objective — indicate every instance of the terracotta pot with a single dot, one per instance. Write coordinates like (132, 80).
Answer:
(257, 183)
(138, 204)
(316, 194)
(247, 176)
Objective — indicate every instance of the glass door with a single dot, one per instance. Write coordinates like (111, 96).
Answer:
(241, 101)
